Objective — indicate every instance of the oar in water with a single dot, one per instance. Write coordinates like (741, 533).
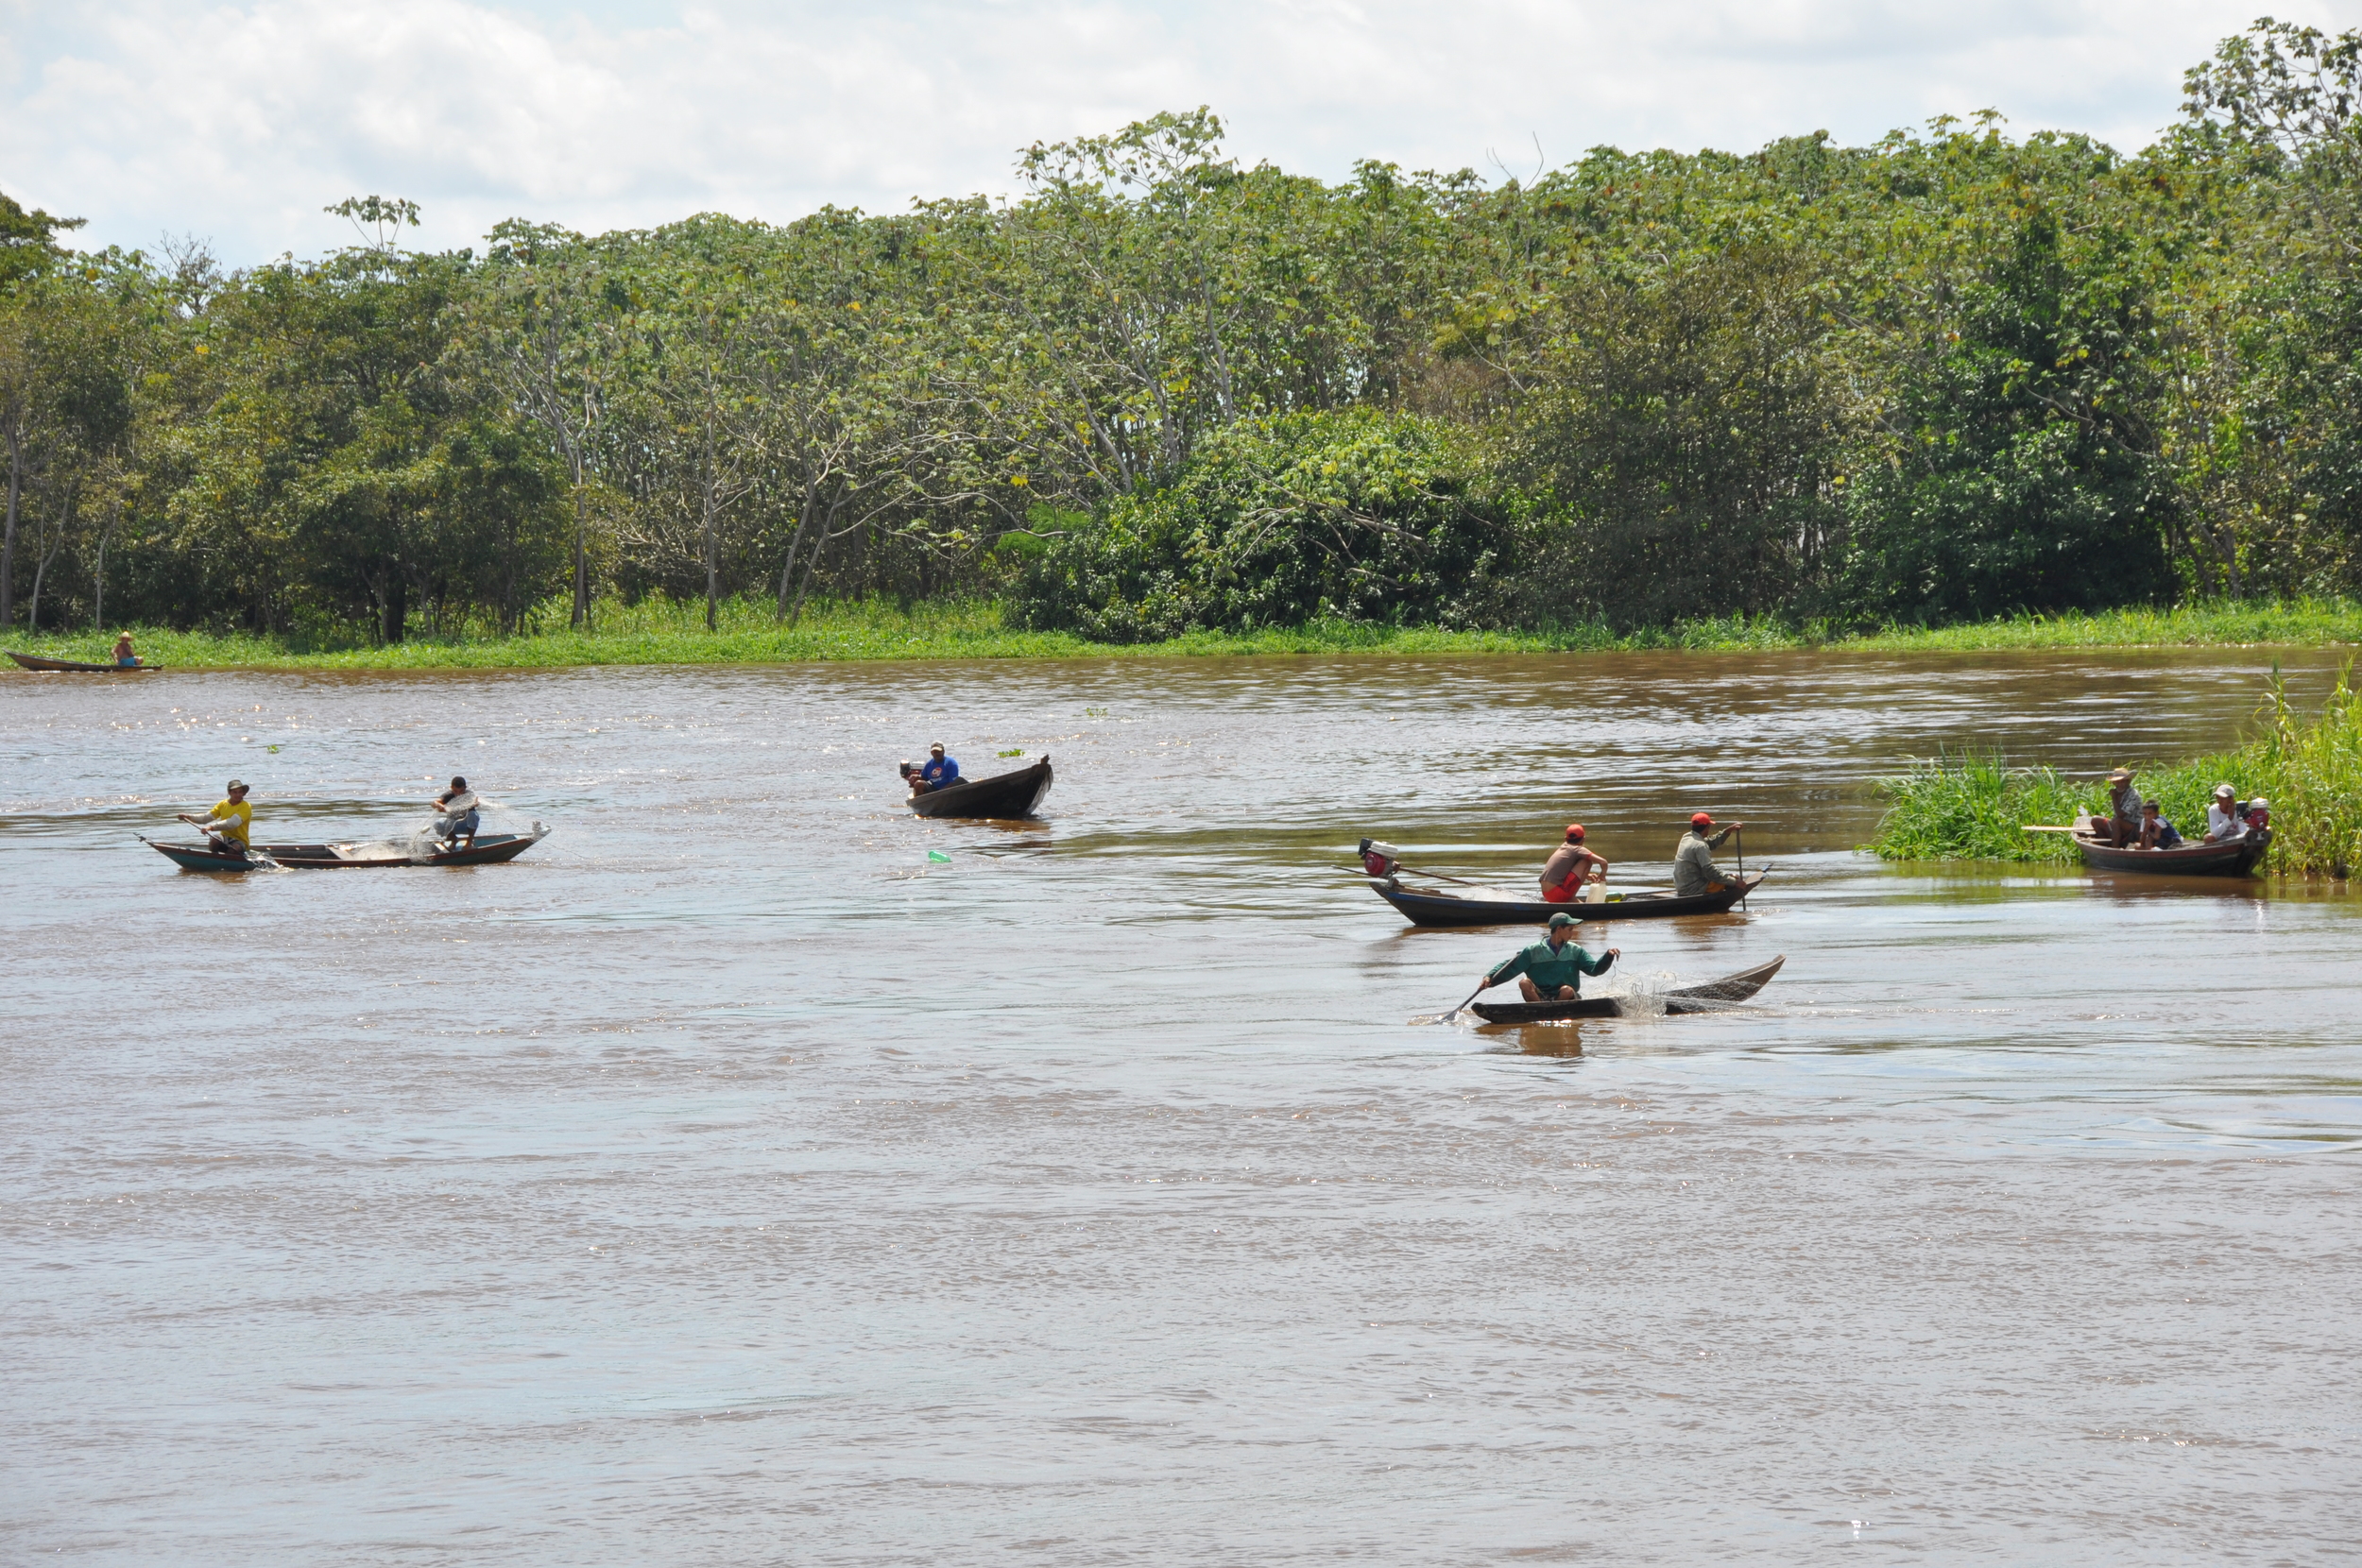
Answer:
(1447, 1017)
(2036, 827)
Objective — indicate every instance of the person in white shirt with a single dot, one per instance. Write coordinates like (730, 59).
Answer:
(2224, 820)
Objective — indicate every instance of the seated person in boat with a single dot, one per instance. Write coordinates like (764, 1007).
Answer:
(1694, 871)
(227, 830)
(2225, 817)
(1553, 970)
(2121, 824)
(127, 656)
(455, 814)
(941, 772)
(1563, 873)
(2156, 833)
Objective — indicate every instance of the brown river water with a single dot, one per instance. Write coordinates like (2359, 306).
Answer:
(728, 1182)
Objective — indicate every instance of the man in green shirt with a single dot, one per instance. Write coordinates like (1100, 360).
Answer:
(1551, 970)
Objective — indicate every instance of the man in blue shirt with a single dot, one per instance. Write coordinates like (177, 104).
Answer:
(1552, 970)
(941, 772)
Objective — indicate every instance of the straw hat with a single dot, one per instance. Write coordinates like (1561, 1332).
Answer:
(2122, 776)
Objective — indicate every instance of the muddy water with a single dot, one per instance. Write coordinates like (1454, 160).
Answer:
(729, 1182)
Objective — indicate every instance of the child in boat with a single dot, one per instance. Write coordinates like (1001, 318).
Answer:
(2156, 833)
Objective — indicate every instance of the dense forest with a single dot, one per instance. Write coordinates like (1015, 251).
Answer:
(1941, 377)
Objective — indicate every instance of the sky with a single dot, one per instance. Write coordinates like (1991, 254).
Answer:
(235, 124)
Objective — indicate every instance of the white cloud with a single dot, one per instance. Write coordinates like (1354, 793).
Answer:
(241, 121)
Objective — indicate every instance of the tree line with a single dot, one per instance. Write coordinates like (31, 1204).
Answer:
(1947, 375)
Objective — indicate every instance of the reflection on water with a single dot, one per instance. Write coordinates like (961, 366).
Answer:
(728, 1173)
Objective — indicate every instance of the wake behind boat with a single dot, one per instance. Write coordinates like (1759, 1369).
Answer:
(1708, 998)
(488, 849)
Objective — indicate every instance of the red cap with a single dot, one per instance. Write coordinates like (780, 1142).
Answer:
(1702, 820)
(1574, 833)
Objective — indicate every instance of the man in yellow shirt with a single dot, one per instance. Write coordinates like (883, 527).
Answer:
(228, 829)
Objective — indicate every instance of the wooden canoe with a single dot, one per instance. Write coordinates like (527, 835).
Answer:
(34, 661)
(2235, 858)
(1006, 796)
(488, 849)
(1688, 998)
(1434, 906)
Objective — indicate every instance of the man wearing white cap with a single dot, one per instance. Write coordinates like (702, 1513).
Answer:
(2224, 820)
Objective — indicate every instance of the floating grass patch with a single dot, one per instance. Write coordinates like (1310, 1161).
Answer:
(1972, 808)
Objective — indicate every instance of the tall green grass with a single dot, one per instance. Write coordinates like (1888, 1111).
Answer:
(656, 630)
(1976, 808)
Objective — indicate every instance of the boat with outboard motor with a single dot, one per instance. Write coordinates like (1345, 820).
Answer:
(1007, 795)
(2232, 858)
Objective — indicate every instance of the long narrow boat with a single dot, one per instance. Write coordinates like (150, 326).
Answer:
(34, 661)
(1688, 998)
(2237, 858)
(1007, 795)
(488, 849)
(1434, 906)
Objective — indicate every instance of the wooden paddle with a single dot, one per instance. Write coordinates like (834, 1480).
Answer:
(1447, 1017)
(2036, 827)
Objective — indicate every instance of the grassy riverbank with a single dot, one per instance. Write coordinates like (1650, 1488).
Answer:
(670, 632)
(2309, 767)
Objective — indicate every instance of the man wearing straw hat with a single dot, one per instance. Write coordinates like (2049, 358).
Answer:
(2122, 825)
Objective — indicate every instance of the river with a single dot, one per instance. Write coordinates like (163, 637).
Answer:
(732, 1180)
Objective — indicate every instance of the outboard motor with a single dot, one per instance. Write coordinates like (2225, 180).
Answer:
(1379, 858)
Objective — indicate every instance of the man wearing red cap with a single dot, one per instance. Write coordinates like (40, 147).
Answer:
(1694, 871)
(1563, 875)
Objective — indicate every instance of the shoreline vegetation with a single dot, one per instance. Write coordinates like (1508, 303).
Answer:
(1162, 399)
(2309, 766)
(663, 631)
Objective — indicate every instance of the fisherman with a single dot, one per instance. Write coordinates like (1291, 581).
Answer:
(455, 814)
(1563, 875)
(2122, 825)
(127, 656)
(941, 772)
(2226, 819)
(1694, 871)
(233, 822)
(1553, 970)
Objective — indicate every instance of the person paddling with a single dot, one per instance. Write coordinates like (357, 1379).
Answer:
(231, 825)
(1694, 871)
(1553, 970)
(1564, 873)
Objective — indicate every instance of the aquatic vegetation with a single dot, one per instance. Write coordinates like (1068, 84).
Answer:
(2309, 768)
